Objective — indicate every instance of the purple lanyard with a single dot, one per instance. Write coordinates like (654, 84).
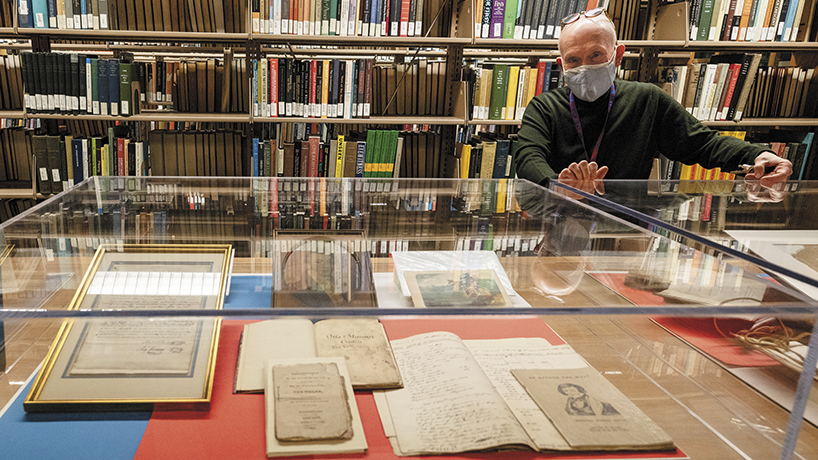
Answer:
(578, 125)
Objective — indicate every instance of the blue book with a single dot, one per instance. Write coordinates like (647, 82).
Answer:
(547, 77)
(808, 139)
(84, 16)
(102, 65)
(25, 16)
(52, 14)
(255, 157)
(39, 9)
(500, 159)
(76, 160)
(113, 86)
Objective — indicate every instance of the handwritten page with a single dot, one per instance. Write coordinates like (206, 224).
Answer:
(447, 404)
(498, 357)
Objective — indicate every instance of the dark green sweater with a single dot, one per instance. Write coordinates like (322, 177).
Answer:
(644, 122)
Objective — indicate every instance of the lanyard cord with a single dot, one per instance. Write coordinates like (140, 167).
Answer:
(578, 125)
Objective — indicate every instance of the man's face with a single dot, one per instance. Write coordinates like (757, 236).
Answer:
(586, 42)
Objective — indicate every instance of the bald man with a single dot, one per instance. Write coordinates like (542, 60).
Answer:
(596, 127)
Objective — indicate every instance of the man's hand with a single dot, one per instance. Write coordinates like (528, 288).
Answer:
(584, 176)
(781, 170)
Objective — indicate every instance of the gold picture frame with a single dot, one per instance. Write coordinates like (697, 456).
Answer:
(138, 361)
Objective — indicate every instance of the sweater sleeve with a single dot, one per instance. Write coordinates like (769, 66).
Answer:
(534, 144)
(686, 139)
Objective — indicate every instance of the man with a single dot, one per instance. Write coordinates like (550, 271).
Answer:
(595, 127)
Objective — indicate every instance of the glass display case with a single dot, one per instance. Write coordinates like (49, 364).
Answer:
(672, 324)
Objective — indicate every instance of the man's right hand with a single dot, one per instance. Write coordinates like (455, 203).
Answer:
(584, 176)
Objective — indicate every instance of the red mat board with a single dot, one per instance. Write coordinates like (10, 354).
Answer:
(233, 428)
(701, 333)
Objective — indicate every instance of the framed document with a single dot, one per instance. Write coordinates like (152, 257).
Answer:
(138, 361)
(322, 269)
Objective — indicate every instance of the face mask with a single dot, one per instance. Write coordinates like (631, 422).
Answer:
(590, 82)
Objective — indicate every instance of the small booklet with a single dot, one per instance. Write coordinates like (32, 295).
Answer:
(310, 402)
(589, 412)
(362, 341)
(332, 426)
(456, 289)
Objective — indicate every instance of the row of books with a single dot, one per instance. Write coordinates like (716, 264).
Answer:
(72, 83)
(15, 157)
(375, 156)
(339, 88)
(783, 92)
(487, 156)
(346, 18)
(312, 88)
(10, 207)
(222, 16)
(748, 20)
(530, 19)
(11, 82)
(209, 85)
(502, 91)
(62, 161)
(713, 90)
(197, 153)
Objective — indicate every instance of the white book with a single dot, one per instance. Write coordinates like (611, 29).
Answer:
(278, 26)
(521, 86)
(343, 19)
(759, 31)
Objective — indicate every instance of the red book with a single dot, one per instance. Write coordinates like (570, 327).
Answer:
(315, 152)
(368, 87)
(540, 77)
(120, 157)
(274, 196)
(734, 71)
(273, 87)
(404, 18)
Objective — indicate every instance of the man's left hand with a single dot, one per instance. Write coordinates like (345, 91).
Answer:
(782, 169)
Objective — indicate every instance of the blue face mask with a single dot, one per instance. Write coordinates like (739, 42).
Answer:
(590, 82)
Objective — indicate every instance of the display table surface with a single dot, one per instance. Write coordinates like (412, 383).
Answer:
(233, 428)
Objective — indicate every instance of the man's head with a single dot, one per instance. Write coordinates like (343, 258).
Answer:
(588, 41)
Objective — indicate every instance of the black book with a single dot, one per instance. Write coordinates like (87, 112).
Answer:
(74, 88)
(102, 90)
(40, 74)
(412, 12)
(548, 20)
(554, 83)
(282, 86)
(699, 87)
(394, 17)
(742, 76)
(305, 88)
(297, 159)
(113, 86)
(319, 78)
(132, 158)
(342, 67)
(288, 91)
(82, 87)
(332, 89)
(28, 82)
(38, 147)
(366, 15)
(50, 82)
(60, 74)
(52, 146)
(63, 172)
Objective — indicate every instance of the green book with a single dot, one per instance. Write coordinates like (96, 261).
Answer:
(704, 20)
(510, 19)
(391, 150)
(125, 88)
(325, 15)
(499, 89)
(95, 85)
(333, 16)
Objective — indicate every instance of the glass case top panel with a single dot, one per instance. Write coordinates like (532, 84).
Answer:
(356, 245)
(773, 227)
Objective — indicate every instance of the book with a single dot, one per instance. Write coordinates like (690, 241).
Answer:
(356, 442)
(480, 385)
(456, 289)
(361, 341)
(593, 414)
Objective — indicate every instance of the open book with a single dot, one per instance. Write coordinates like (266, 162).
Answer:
(461, 396)
(362, 341)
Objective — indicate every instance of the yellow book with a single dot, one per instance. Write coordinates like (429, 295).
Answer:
(511, 95)
(532, 84)
(339, 158)
(323, 196)
(324, 88)
(501, 195)
(465, 158)
(104, 153)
